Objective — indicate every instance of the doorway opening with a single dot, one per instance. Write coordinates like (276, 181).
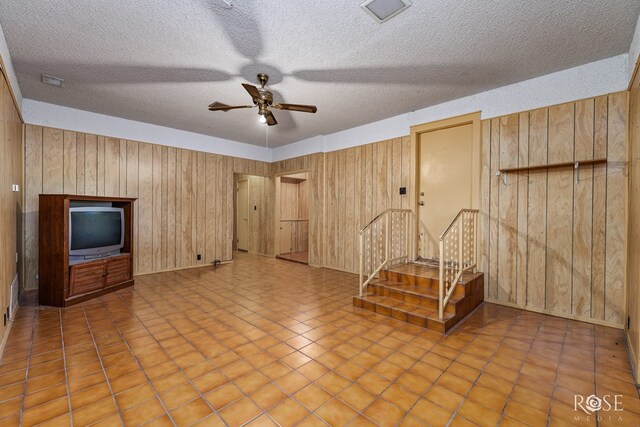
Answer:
(293, 217)
(252, 214)
(242, 214)
(448, 177)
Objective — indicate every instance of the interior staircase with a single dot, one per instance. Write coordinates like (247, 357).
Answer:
(409, 292)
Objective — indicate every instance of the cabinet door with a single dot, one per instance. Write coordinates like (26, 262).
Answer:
(87, 277)
(118, 270)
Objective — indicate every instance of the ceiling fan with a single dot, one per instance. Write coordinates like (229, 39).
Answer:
(263, 99)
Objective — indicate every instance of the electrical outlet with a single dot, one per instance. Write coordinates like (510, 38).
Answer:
(199, 257)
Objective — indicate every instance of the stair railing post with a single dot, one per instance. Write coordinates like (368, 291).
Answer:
(387, 236)
(361, 263)
(460, 244)
(475, 242)
(441, 284)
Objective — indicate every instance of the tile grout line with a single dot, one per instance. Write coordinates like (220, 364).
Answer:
(26, 373)
(64, 361)
(104, 372)
(555, 382)
(533, 340)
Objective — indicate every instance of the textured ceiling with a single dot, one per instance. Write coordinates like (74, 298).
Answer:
(163, 61)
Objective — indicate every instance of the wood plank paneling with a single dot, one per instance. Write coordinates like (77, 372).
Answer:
(80, 182)
(599, 209)
(171, 261)
(11, 203)
(565, 230)
(33, 187)
(494, 203)
(183, 196)
(537, 211)
(616, 207)
(52, 161)
(523, 209)
(508, 210)
(583, 210)
(69, 163)
(91, 165)
(633, 234)
(156, 207)
(360, 183)
(560, 209)
(111, 167)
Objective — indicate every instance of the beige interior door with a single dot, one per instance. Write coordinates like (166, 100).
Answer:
(446, 183)
(242, 215)
(286, 237)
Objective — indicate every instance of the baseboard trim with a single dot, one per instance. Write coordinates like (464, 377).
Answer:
(552, 313)
(181, 268)
(633, 357)
(7, 331)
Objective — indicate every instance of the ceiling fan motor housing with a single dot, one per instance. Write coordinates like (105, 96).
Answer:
(265, 96)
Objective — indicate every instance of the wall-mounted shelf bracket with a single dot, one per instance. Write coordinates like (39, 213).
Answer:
(505, 179)
(576, 165)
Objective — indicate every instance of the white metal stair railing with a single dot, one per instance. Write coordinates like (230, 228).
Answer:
(385, 241)
(458, 247)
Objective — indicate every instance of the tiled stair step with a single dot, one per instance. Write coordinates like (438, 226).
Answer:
(416, 295)
(460, 291)
(428, 280)
(405, 312)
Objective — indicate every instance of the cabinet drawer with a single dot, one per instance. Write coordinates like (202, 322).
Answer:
(86, 277)
(118, 270)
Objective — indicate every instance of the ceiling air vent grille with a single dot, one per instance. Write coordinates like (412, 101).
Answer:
(383, 10)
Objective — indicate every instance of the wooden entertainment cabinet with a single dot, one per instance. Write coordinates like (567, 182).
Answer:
(61, 284)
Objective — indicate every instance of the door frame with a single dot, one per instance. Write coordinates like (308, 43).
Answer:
(240, 178)
(276, 210)
(451, 122)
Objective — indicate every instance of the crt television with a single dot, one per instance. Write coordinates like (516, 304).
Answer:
(95, 231)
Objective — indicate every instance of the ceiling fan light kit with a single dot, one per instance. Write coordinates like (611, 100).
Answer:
(263, 99)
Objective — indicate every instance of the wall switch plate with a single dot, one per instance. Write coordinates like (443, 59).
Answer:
(15, 188)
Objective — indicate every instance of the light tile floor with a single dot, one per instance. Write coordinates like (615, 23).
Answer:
(269, 342)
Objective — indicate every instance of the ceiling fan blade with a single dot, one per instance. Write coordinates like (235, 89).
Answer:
(219, 106)
(271, 120)
(296, 107)
(253, 91)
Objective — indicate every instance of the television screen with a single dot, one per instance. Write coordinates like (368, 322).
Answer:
(94, 229)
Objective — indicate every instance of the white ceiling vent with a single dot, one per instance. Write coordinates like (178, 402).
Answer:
(53, 81)
(383, 10)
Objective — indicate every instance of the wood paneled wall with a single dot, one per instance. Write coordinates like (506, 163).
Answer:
(554, 240)
(361, 183)
(11, 172)
(185, 198)
(633, 271)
